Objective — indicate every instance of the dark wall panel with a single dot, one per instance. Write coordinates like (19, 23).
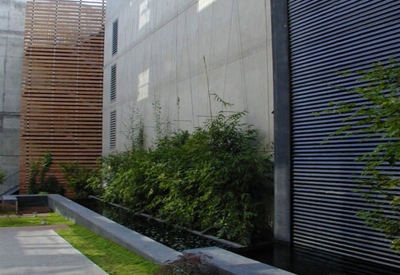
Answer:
(327, 37)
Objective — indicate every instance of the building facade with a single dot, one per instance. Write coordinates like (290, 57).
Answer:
(177, 54)
(12, 18)
(276, 59)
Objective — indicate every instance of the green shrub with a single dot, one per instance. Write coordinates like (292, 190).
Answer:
(38, 182)
(189, 263)
(215, 179)
(77, 179)
(1, 176)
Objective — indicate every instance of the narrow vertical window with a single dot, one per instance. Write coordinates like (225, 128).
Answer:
(113, 129)
(113, 83)
(115, 37)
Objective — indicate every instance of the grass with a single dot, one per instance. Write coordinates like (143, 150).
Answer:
(109, 256)
(14, 221)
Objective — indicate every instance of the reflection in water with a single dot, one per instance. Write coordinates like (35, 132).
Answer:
(303, 261)
(171, 236)
(298, 260)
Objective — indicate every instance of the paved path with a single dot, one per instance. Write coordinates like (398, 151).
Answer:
(39, 251)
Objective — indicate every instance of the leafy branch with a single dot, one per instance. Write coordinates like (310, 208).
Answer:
(378, 117)
(2, 176)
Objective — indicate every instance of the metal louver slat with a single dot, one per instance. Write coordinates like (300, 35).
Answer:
(113, 88)
(113, 129)
(326, 37)
(114, 45)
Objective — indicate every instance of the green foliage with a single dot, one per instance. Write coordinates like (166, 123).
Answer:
(33, 172)
(214, 179)
(189, 263)
(51, 185)
(1, 176)
(46, 163)
(162, 126)
(379, 118)
(46, 185)
(77, 178)
(135, 130)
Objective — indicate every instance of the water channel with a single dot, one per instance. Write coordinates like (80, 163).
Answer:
(298, 260)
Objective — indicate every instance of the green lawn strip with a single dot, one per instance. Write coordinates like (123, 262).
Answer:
(109, 256)
(15, 221)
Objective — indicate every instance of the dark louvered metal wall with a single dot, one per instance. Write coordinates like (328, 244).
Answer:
(326, 37)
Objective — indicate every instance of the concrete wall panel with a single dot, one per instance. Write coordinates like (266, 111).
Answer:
(12, 123)
(3, 43)
(14, 48)
(167, 50)
(12, 22)
(17, 16)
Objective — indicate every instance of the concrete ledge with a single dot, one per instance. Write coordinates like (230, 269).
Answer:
(135, 242)
(10, 202)
(32, 203)
(32, 200)
(227, 262)
(10, 199)
(233, 264)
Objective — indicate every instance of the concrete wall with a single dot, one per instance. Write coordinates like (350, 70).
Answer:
(12, 21)
(162, 45)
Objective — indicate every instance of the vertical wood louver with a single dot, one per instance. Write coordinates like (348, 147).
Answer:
(115, 37)
(62, 83)
(113, 129)
(327, 37)
(113, 86)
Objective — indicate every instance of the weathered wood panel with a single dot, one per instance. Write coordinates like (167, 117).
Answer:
(62, 84)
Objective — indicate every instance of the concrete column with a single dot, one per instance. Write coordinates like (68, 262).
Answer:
(282, 121)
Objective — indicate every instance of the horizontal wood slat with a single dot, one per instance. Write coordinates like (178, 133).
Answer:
(62, 84)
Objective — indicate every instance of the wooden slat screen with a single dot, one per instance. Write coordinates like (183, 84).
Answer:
(62, 84)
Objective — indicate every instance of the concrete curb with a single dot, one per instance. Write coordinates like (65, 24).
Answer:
(135, 242)
(227, 262)
(233, 264)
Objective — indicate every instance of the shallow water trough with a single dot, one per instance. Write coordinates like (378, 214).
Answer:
(300, 260)
(227, 262)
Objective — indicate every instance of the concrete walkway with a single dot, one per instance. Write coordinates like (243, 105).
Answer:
(40, 250)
